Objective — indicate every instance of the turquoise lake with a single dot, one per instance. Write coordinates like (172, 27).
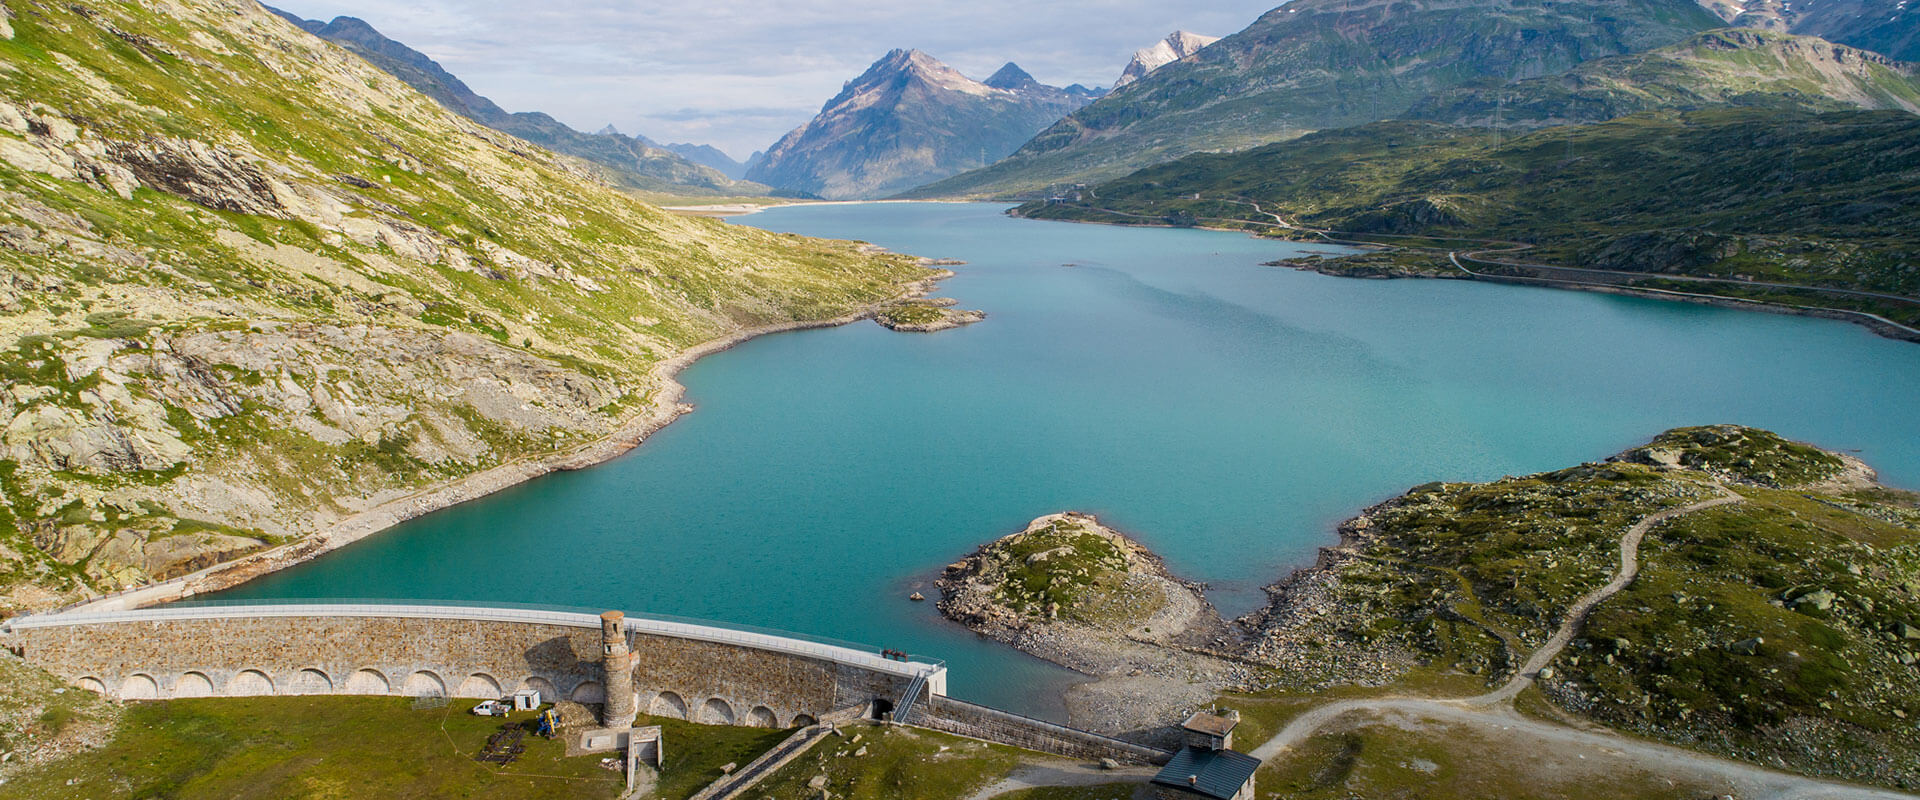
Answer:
(1227, 414)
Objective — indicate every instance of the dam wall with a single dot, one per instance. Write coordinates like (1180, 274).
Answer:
(682, 670)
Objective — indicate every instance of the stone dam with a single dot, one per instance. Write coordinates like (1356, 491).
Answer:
(703, 673)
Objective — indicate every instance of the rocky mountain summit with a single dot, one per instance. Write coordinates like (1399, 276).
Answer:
(632, 161)
(908, 120)
(1177, 45)
(254, 290)
(1888, 27)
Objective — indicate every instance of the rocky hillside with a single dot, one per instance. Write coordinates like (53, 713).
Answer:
(1733, 67)
(909, 120)
(1318, 64)
(1888, 27)
(630, 161)
(1779, 629)
(43, 718)
(1176, 46)
(251, 286)
(1809, 199)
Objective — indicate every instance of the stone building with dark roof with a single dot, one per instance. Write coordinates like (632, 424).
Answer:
(1205, 766)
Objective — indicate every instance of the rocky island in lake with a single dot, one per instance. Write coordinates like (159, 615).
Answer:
(1074, 592)
(926, 315)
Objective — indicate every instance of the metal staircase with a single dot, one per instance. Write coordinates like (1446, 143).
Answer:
(903, 711)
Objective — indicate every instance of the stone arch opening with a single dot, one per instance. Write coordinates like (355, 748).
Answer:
(311, 681)
(804, 721)
(139, 686)
(424, 684)
(716, 712)
(250, 683)
(368, 681)
(762, 717)
(548, 693)
(480, 686)
(668, 705)
(193, 684)
(93, 684)
(588, 692)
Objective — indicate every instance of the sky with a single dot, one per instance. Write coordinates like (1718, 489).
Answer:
(738, 74)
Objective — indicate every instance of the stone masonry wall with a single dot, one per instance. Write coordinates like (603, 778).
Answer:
(681, 678)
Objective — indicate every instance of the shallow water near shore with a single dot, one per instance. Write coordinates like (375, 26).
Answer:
(1227, 414)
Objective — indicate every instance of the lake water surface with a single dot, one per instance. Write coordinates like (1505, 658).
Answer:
(1225, 413)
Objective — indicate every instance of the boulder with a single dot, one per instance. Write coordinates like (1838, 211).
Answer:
(1819, 599)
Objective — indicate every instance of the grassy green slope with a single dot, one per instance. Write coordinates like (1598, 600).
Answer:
(1780, 630)
(1827, 199)
(1318, 64)
(250, 285)
(335, 747)
(1718, 68)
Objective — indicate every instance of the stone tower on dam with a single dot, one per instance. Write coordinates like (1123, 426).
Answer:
(622, 703)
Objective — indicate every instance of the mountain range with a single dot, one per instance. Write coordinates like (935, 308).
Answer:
(633, 162)
(1317, 64)
(909, 120)
(1825, 199)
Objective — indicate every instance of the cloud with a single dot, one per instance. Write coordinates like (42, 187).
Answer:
(740, 73)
